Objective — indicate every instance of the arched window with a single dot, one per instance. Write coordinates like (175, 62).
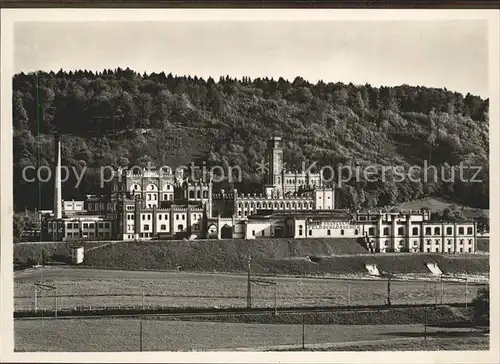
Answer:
(191, 194)
(151, 187)
(198, 194)
(205, 194)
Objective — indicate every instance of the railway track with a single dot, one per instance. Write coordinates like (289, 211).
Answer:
(179, 312)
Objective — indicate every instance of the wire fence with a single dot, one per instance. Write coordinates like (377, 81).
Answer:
(233, 292)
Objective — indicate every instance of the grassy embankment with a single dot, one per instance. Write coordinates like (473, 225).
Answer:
(284, 256)
(439, 316)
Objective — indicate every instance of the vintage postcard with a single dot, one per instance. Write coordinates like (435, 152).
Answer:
(249, 185)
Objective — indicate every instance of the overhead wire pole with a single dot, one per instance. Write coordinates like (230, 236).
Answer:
(42, 286)
(442, 290)
(276, 295)
(249, 289)
(425, 313)
(436, 292)
(140, 333)
(465, 292)
(35, 299)
(349, 294)
(143, 296)
(55, 303)
(303, 332)
(389, 291)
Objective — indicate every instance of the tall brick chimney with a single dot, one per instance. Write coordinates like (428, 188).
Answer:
(57, 179)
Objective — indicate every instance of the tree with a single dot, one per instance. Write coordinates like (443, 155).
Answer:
(483, 222)
(454, 214)
(18, 227)
(481, 306)
(333, 124)
(20, 114)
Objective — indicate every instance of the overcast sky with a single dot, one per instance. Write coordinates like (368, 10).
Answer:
(451, 54)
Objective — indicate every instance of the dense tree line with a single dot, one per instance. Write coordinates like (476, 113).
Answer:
(120, 117)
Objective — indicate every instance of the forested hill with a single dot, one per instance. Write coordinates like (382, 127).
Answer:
(120, 117)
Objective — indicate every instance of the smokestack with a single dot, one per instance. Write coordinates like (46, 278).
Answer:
(57, 179)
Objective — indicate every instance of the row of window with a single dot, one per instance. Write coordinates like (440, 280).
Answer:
(99, 206)
(164, 217)
(428, 231)
(89, 225)
(151, 187)
(163, 227)
(429, 241)
(148, 217)
(198, 194)
(312, 181)
(281, 205)
(101, 234)
(328, 232)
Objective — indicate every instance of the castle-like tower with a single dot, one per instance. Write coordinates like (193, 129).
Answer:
(274, 178)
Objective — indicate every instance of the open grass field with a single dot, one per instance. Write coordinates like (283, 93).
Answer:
(124, 335)
(113, 288)
(452, 343)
